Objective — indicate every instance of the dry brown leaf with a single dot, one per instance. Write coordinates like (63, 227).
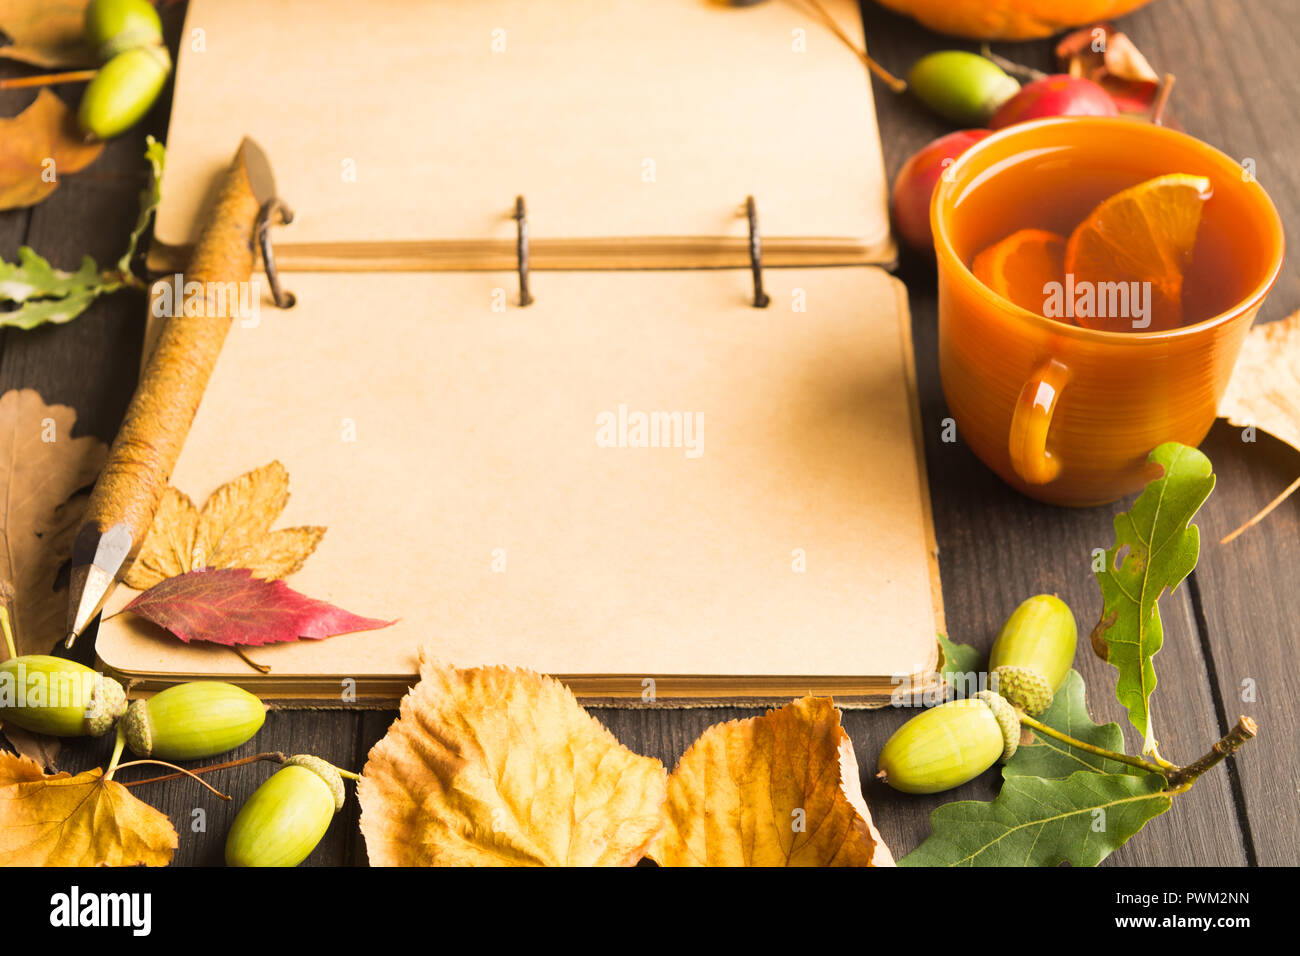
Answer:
(776, 790)
(45, 33)
(62, 820)
(1264, 391)
(41, 468)
(38, 147)
(494, 766)
(1110, 59)
(231, 531)
(1265, 387)
(38, 747)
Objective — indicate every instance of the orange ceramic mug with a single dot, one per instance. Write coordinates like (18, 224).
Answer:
(1062, 413)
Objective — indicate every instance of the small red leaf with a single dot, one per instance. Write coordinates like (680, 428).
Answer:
(229, 606)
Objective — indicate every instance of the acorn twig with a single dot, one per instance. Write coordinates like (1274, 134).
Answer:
(1137, 762)
(1225, 746)
(1268, 508)
(1018, 70)
(274, 756)
(47, 79)
(180, 772)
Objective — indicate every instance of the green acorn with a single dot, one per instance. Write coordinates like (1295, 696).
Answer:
(1033, 653)
(123, 90)
(112, 26)
(286, 817)
(59, 697)
(964, 87)
(948, 745)
(194, 720)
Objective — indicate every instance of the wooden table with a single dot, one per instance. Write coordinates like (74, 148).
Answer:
(1234, 623)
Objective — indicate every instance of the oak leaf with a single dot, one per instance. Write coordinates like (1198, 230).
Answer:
(777, 790)
(495, 766)
(1156, 548)
(232, 607)
(38, 147)
(1264, 392)
(62, 820)
(232, 530)
(41, 748)
(47, 33)
(42, 469)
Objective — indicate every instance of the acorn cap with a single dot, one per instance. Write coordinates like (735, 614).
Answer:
(107, 703)
(139, 735)
(1007, 719)
(326, 771)
(1023, 687)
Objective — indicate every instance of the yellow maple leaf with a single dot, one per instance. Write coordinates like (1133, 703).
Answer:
(495, 766)
(778, 790)
(232, 530)
(62, 820)
(1264, 391)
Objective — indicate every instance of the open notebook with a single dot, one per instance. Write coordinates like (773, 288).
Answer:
(481, 478)
(480, 469)
(402, 130)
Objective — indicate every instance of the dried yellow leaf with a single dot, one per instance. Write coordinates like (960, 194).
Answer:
(169, 548)
(62, 820)
(1265, 387)
(232, 530)
(277, 555)
(242, 511)
(776, 790)
(1264, 392)
(494, 766)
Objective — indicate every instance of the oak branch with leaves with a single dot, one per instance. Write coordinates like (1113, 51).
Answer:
(36, 293)
(1072, 795)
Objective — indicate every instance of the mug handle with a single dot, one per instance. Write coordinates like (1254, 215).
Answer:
(1032, 420)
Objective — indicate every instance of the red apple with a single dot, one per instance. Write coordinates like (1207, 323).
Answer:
(1057, 95)
(917, 179)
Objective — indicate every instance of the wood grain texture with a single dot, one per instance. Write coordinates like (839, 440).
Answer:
(1234, 622)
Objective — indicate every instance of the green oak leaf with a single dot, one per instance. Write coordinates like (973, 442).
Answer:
(43, 294)
(1050, 758)
(155, 155)
(1162, 547)
(32, 277)
(959, 666)
(1078, 820)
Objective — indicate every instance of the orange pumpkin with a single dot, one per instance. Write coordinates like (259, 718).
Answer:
(1010, 19)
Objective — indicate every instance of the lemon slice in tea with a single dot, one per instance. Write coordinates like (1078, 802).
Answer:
(1144, 234)
(1019, 266)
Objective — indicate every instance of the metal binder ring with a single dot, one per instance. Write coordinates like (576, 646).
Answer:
(283, 215)
(761, 298)
(521, 250)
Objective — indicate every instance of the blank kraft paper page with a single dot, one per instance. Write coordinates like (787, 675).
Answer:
(639, 475)
(621, 122)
